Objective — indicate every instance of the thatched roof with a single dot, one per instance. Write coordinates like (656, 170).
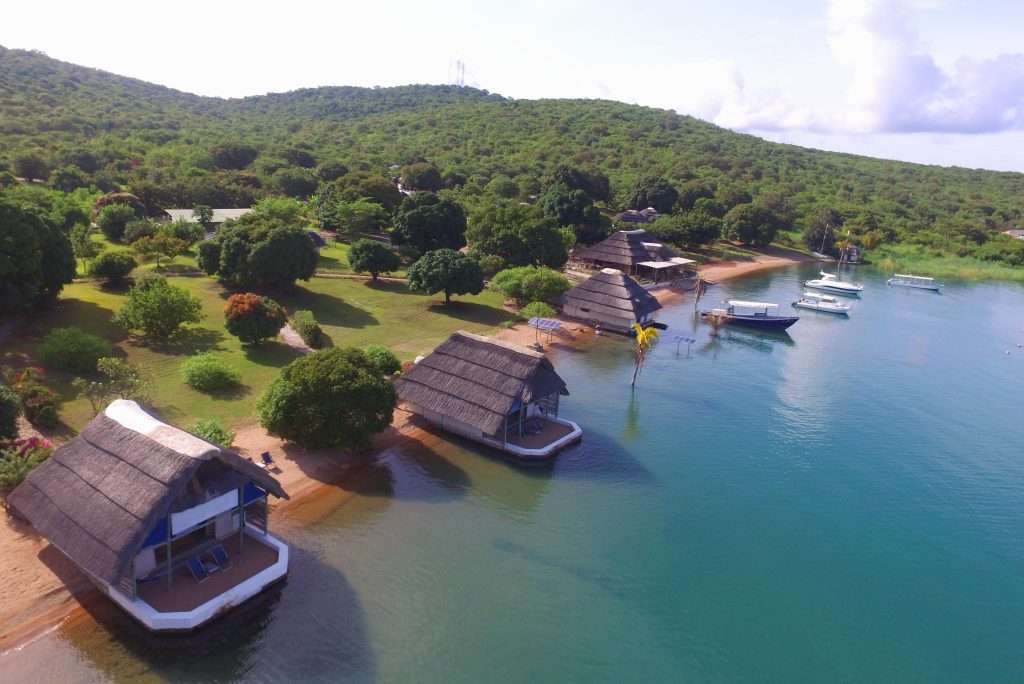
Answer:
(611, 293)
(479, 380)
(99, 496)
(623, 248)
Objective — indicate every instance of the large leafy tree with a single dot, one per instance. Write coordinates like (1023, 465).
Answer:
(690, 229)
(295, 182)
(359, 184)
(330, 399)
(594, 183)
(233, 155)
(574, 208)
(751, 224)
(252, 318)
(421, 176)
(113, 219)
(654, 191)
(258, 251)
(426, 222)
(448, 271)
(520, 234)
(158, 309)
(36, 258)
(527, 284)
(373, 257)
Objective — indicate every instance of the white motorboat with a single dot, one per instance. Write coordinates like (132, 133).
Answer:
(830, 282)
(821, 302)
(916, 282)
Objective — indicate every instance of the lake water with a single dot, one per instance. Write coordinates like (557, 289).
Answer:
(845, 503)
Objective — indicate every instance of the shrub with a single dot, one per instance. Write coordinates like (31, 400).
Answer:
(530, 284)
(117, 378)
(113, 220)
(370, 256)
(333, 398)
(308, 329)
(18, 460)
(184, 230)
(212, 431)
(252, 318)
(73, 349)
(136, 230)
(491, 264)
(383, 359)
(536, 310)
(10, 409)
(158, 308)
(113, 267)
(37, 401)
(207, 373)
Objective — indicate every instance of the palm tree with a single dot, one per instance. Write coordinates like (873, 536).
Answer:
(644, 339)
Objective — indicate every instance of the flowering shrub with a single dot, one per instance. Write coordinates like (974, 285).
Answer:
(18, 459)
(37, 401)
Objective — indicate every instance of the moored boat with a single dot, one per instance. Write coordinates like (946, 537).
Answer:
(820, 302)
(830, 282)
(751, 314)
(916, 282)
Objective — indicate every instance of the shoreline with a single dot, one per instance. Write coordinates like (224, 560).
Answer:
(43, 587)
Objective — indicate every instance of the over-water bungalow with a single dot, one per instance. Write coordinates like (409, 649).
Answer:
(496, 393)
(636, 253)
(612, 300)
(172, 528)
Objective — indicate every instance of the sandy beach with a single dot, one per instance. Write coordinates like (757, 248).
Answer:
(41, 586)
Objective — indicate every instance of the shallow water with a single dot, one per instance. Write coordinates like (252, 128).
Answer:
(843, 503)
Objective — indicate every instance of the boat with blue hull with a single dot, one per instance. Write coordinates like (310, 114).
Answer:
(749, 314)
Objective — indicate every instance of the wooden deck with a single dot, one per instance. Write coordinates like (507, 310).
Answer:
(185, 593)
(552, 432)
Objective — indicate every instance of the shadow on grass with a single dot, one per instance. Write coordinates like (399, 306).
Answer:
(271, 353)
(329, 310)
(473, 312)
(88, 316)
(232, 393)
(389, 286)
(329, 262)
(186, 341)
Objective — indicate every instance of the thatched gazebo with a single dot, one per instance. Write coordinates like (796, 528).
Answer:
(494, 392)
(611, 299)
(171, 527)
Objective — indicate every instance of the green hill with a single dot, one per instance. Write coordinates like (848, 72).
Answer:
(114, 132)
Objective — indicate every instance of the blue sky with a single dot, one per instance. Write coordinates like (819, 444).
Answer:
(934, 81)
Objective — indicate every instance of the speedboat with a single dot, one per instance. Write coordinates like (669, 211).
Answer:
(830, 282)
(821, 302)
(917, 282)
(751, 315)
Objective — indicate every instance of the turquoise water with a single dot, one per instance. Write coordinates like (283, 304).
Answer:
(845, 503)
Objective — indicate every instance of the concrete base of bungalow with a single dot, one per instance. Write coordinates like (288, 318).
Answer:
(170, 620)
(570, 434)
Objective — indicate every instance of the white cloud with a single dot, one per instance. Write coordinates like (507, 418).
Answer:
(894, 86)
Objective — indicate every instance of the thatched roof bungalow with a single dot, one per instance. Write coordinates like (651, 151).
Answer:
(494, 392)
(611, 299)
(636, 253)
(171, 527)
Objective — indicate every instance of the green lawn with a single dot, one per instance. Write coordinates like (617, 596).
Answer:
(352, 313)
(334, 259)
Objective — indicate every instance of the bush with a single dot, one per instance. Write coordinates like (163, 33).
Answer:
(491, 264)
(20, 458)
(184, 230)
(117, 378)
(73, 349)
(113, 220)
(536, 310)
(333, 398)
(10, 409)
(158, 308)
(136, 230)
(383, 359)
(252, 318)
(308, 329)
(207, 373)
(37, 401)
(212, 431)
(530, 284)
(113, 267)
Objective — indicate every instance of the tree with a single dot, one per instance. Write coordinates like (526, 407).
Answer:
(575, 208)
(643, 340)
(113, 267)
(295, 182)
(113, 219)
(10, 409)
(594, 183)
(252, 318)
(68, 179)
(160, 246)
(36, 258)
(519, 234)
(233, 155)
(427, 222)
(503, 187)
(203, 213)
(360, 184)
(526, 284)
(72, 349)
(690, 229)
(421, 176)
(370, 256)
(383, 359)
(184, 230)
(331, 170)
(259, 251)
(691, 191)
(654, 191)
(117, 379)
(820, 233)
(750, 224)
(354, 218)
(296, 156)
(158, 309)
(31, 166)
(448, 271)
(82, 243)
(330, 399)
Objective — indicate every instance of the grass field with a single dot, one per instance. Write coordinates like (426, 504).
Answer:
(351, 312)
(917, 260)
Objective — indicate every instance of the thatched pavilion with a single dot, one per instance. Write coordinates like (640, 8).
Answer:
(636, 253)
(494, 392)
(611, 299)
(172, 528)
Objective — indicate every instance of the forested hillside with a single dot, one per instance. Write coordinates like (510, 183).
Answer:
(76, 127)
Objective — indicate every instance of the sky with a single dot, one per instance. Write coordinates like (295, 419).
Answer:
(931, 81)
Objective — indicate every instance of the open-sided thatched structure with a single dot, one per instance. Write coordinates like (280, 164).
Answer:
(488, 390)
(610, 299)
(130, 499)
